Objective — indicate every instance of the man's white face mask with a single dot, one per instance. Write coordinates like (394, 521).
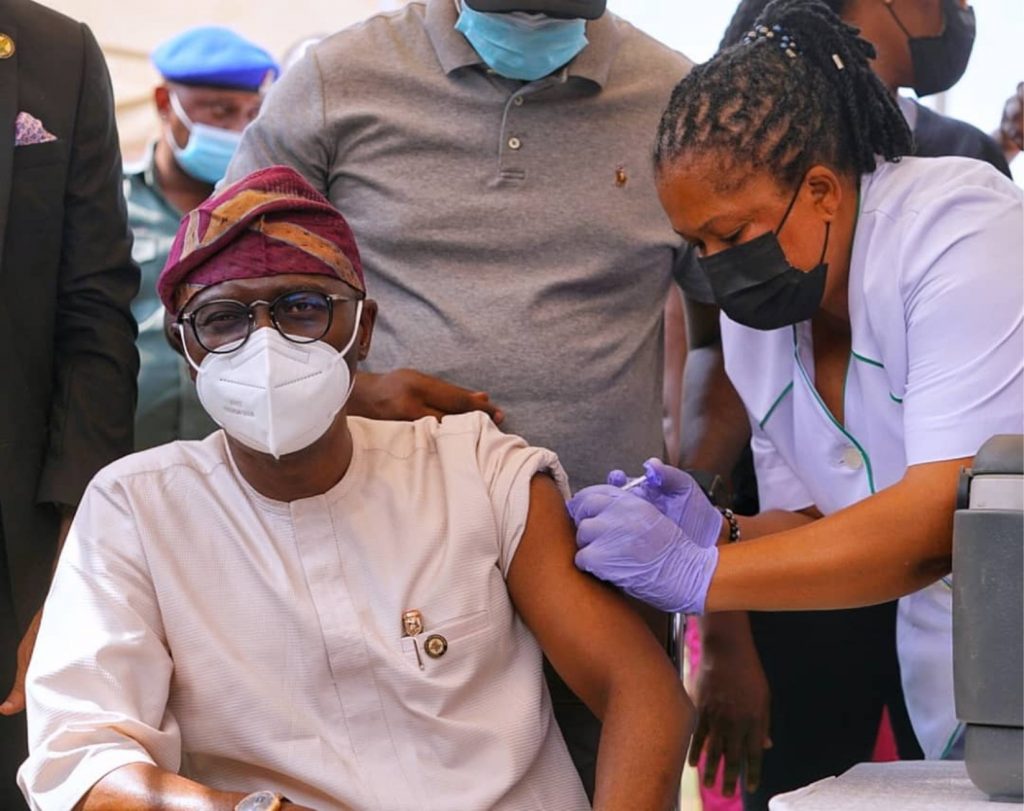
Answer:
(273, 395)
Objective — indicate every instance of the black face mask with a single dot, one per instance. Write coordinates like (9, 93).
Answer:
(756, 286)
(939, 62)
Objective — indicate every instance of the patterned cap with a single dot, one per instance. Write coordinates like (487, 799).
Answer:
(269, 223)
(212, 56)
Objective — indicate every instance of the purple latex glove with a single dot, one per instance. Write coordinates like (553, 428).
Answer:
(627, 541)
(678, 497)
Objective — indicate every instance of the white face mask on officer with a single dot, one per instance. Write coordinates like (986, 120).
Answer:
(273, 395)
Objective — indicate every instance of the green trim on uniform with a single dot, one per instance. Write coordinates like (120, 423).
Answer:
(778, 400)
(846, 379)
(952, 740)
(867, 360)
(835, 422)
(880, 365)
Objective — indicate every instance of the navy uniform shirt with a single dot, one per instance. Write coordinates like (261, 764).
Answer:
(168, 408)
(937, 135)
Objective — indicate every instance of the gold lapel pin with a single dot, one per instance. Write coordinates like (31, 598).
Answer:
(620, 176)
(6, 47)
(412, 622)
(412, 625)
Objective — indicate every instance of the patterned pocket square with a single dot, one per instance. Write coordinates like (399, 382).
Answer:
(29, 130)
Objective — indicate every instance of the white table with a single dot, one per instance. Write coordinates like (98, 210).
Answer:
(910, 785)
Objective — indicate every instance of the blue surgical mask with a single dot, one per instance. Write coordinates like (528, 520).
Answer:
(522, 46)
(209, 149)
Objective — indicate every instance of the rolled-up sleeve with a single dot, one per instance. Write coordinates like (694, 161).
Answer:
(508, 465)
(98, 683)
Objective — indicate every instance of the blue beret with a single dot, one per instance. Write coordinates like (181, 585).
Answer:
(215, 57)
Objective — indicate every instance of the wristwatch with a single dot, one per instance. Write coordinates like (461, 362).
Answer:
(261, 801)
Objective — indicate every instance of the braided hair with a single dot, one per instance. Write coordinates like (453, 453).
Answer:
(746, 15)
(798, 90)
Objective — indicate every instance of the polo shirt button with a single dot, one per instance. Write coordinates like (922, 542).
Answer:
(518, 101)
(514, 143)
(852, 459)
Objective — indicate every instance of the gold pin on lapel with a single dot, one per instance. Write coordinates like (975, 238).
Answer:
(6, 47)
(412, 624)
(621, 177)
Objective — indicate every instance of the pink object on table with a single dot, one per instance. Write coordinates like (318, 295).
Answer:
(885, 744)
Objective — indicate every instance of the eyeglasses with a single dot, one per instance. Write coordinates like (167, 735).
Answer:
(224, 325)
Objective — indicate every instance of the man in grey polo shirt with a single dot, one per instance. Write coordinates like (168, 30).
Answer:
(505, 207)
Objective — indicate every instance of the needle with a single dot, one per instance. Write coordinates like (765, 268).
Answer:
(634, 483)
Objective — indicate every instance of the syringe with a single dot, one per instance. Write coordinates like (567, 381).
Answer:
(634, 483)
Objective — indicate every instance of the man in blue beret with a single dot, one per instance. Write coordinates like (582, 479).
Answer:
(213, 85)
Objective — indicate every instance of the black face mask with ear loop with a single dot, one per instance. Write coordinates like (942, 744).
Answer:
(939, 62)
(756, 286)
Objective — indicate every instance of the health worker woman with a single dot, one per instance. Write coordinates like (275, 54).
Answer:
(872, 325)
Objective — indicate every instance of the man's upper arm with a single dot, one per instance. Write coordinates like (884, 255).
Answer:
(585, 628)
(290, 130)
(95, 359)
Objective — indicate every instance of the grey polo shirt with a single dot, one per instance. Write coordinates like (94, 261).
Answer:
(510, 231)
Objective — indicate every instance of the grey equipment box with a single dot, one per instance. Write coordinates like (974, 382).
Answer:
(988, 655)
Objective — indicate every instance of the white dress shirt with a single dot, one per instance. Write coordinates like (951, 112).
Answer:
(936, 300)
(255, 644)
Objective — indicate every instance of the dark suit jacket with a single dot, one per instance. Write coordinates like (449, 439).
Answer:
(68, 361)
(937, 135)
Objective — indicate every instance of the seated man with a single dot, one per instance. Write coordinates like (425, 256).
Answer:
(344, 612)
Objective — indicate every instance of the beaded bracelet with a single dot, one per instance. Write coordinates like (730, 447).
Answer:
(734, 525)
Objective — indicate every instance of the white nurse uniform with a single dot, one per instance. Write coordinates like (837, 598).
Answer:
(936, 301)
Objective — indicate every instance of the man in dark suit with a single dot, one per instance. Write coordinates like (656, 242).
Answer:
(67, 338)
